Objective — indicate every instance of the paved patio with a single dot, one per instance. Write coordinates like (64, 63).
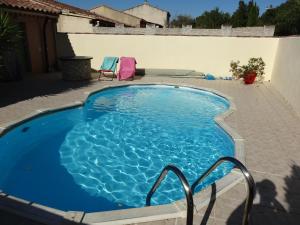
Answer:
(270, 127)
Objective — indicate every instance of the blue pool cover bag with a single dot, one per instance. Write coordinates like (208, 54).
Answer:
(210, 77)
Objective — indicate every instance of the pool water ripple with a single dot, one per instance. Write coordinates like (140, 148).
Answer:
(114, 147)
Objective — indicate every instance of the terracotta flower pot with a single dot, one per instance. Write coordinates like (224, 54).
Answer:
(249, 77)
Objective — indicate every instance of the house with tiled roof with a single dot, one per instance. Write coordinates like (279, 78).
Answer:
(150, 13)
(73, 19)
(120, 17)
(39, 21)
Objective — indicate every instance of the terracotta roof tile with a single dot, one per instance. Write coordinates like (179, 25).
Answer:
(29, 5)
(50, 6)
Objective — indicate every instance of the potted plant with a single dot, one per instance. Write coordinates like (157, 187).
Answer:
(10, 35)
(254, 69)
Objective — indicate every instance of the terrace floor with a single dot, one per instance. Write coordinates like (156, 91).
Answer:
(270, 127)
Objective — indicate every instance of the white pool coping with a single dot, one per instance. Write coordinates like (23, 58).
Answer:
(177, 209)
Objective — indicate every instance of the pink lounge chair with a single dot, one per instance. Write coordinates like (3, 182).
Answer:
(127, 68)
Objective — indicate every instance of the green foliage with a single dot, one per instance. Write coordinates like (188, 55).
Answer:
(240, 16)
(268, 17)
(9, 38)
(10, 33)
(182, 20)
(253, 14)
(286, 17)
(246, 15)
(212, 19)
(254, 65)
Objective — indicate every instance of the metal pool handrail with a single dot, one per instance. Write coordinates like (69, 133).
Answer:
(248, 177)
(186, 187)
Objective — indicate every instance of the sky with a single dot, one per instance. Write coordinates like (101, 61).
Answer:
(175, 7)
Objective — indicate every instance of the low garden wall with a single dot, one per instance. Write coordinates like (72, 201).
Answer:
(226, 31)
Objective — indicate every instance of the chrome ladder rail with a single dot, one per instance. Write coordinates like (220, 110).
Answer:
(186, 187)
(247, 175)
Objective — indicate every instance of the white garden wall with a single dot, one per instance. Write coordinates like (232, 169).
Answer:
(203, 54)
(286, 71)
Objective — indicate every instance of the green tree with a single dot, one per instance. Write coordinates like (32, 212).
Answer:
(182, 20)
(240, 16)
(212, 19)
(9, 33)
(253, 14)
(10, 36)
(286, 17)
(268, 17)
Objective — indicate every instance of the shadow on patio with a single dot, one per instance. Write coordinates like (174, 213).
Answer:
(37, 85)
(268, 210)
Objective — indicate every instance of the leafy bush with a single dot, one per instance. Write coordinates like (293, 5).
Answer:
(256, 65)
(213, 19)
(10, 35)
(182, 20)
(286, 17)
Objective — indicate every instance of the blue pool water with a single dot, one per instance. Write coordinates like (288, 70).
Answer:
(107, 154)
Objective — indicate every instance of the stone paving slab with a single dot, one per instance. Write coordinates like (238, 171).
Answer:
(269, 125)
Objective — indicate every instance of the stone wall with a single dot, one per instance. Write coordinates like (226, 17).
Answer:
(76, 68)
(225, 31)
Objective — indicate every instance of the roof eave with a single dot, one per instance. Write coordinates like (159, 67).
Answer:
(26, 10)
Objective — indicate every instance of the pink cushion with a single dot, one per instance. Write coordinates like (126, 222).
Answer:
(127, 68)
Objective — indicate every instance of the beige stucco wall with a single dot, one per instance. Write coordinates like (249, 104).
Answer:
(72, 23)
(204, 54)
(286, 71)
(150, 14)
(115, 15)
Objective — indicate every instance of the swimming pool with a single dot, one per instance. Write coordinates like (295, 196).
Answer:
(107, 154)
